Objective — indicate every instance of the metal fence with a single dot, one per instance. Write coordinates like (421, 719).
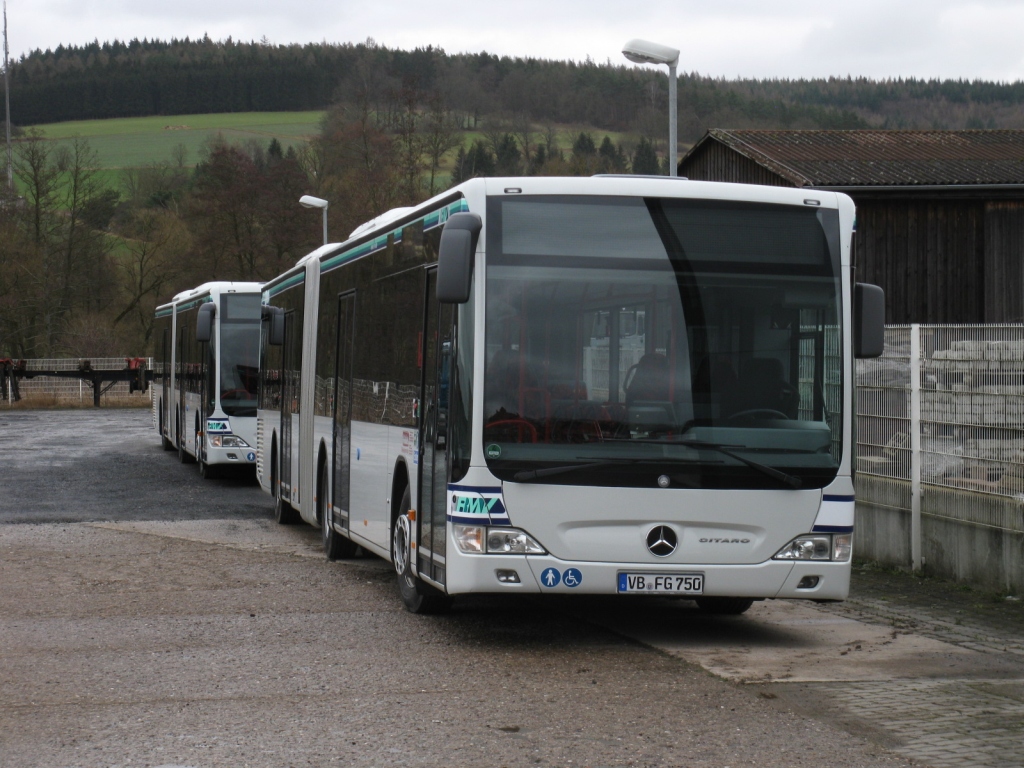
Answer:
(72, 390)
(943, 409)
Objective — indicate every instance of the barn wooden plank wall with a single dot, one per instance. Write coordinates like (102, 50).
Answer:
(720, 163)
(928, 255)
(1004, 262)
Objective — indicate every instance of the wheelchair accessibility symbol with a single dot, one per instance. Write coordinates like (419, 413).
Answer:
(572, 577)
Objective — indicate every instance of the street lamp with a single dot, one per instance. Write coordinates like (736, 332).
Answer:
(644, 52)
(308, 201)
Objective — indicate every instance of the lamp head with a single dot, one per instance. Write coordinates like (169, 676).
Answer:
(308, 201)
(646, 52)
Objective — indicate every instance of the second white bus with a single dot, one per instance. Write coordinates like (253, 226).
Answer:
(207, 363)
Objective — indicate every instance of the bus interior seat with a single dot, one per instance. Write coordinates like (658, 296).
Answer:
(648, 379)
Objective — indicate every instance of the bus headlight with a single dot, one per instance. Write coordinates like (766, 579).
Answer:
(227, 441)
(512, 541)
(806, 548)
(476, 539)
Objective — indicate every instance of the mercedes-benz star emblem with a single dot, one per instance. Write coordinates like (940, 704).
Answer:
(662, 541)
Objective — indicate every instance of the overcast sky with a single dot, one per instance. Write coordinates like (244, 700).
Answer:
(983, 39)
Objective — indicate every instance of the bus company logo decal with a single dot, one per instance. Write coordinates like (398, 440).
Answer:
(218, 425)
(476, 505)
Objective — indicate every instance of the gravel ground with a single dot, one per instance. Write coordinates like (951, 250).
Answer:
(130, 642)
(123, 648)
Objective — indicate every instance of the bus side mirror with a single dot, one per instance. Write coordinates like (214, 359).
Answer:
(455, 257)
(868, 320)
(204, 322)
(275, 322)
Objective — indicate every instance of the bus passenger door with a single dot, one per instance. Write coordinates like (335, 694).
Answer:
(343, 409)
(436, 355)
(180, 430)
(289, 402)
(166, 400)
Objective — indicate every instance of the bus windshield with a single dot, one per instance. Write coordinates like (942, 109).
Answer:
(239, 353)
(662, 341)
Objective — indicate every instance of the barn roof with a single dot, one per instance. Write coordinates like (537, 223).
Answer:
(875, 158)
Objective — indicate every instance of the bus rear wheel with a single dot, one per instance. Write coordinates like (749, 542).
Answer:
(417, 596)
(184, 456)
(336, 546)
(166, 444)
(724, 606)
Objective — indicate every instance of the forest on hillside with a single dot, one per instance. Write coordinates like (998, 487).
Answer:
(152, 77)
(84, 264)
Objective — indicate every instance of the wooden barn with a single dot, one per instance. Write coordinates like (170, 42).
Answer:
(940, 214)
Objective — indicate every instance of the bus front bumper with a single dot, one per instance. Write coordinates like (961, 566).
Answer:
(236, 456)
(810, 580)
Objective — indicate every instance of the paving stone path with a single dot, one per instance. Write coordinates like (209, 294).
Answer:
(945, 722)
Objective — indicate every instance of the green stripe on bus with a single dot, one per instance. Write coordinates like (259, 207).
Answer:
(430, 220)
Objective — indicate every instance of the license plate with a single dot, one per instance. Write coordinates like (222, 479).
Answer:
(662, 583)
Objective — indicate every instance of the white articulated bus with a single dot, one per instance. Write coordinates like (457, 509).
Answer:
(608, 385)
(206, 349)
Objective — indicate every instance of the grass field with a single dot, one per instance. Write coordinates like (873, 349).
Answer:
(132, 142)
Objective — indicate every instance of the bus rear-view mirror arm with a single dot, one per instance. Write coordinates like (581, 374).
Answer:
(868, 320)
(455, 257)
(204, 323)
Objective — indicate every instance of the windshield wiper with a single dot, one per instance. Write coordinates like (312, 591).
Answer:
(777, 474)
(532, 474)
(783, 477)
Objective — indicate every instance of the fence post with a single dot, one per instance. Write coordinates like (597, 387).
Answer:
(915, 446)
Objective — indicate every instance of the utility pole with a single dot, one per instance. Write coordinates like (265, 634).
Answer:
(7, 99)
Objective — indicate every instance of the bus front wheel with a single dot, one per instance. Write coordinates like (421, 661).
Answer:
(417, 596)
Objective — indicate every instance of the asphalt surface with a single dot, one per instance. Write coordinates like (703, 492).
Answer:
(85, 465)
(148, 617)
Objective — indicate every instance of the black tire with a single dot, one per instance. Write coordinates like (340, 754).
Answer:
(166, 444)
(284, 512)
(336, 546)
(184, 456)
(209, 471)
(724, 606)
(417, 596)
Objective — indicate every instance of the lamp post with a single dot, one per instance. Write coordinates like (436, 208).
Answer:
(308, 201)
(644, 52)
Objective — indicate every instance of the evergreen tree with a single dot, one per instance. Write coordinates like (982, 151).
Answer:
(645, 160)
(611, 158)
(584, 146)
(507, 159)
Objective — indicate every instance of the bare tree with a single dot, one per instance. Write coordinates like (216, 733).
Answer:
(154, 246)
(38, 177)
(410, 146)
(312, 159)
(441, 135)
(522, 129)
